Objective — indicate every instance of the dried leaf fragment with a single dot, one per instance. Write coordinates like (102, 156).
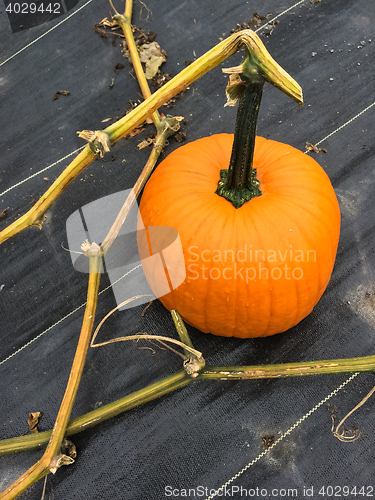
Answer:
(235, 89)
(68, 448)
(99, 141)
(3, 214)
(33, 421)
(314, 149)
(59, 461)
(60, 92)
(153, 57)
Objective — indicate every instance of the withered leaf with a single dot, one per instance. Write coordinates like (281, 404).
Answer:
(59, 461)
(68, 448)
(33, 421)
(153, 57)
(3, 214)
(314, 149)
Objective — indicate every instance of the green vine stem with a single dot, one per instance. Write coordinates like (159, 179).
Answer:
(181, 330)
(180, 379)
(101, 140)
(52, 459)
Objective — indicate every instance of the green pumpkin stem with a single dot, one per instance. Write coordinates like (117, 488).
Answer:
(239, 183)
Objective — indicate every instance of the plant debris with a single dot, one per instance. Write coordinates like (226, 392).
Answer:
(152, 56)
(33, 421)
(102, 31)
(314, 149)
(180, 136)
(161, 79)
(68, 448)
(60, 92)
(136, 131)
(145, 309)
(117, 67)
(4, 214)
(267, 30)
(98, 141)
(58, 461)
(267, 441)
(150, 139)
(255, 22)
(132, 105)
(150, 53)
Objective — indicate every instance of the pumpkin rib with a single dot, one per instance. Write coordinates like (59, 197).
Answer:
(229, 216)
(197, 236)
(321, 281)
(301, 230)
(255, 227)
(238, 283)
(318, 220)
(296, 202)
(277, 231)
(207, 284)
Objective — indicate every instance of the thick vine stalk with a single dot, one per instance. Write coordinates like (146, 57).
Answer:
(180, 379)
(52, 459)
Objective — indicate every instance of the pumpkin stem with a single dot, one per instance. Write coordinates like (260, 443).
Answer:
(239, 184)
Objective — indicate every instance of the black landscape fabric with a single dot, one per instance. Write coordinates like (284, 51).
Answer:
(267, 438)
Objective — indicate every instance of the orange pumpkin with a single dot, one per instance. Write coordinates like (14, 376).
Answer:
(251, 271)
